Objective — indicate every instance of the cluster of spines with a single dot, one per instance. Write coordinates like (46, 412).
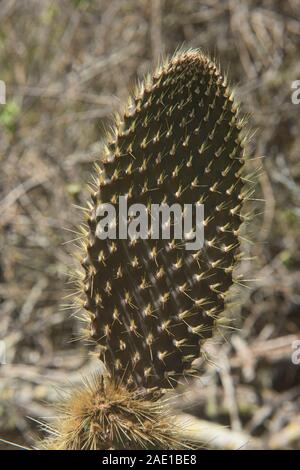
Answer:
(102, 415)
(151, 303)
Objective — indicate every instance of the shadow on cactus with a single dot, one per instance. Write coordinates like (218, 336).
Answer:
(151, 304)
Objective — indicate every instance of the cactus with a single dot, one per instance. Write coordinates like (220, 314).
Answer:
(150, 304)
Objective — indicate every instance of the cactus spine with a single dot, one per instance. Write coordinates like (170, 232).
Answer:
(150, 304)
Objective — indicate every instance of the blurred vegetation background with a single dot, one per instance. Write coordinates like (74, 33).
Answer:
(67, 66)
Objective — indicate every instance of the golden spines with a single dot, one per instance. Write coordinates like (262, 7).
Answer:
(101, 415)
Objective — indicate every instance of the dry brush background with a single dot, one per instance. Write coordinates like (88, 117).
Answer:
(67, 65)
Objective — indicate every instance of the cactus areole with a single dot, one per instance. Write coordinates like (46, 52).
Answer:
(150, 304)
